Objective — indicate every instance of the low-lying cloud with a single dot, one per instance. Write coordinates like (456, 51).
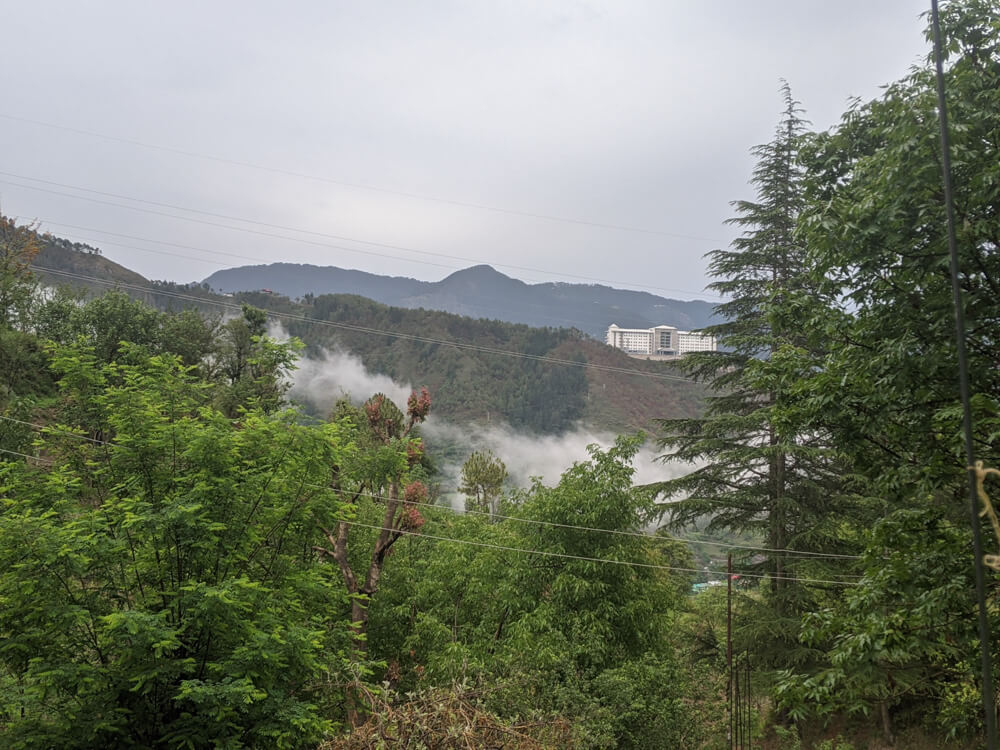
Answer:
(337, 375)
(321, 382)
(545, 456)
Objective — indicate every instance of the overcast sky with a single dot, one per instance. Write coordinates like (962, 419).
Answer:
(572, 141)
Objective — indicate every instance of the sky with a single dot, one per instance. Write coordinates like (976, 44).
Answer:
(584, 142)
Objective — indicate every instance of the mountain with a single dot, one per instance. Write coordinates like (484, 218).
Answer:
(479, 371)
(61, 261)
(478, 292)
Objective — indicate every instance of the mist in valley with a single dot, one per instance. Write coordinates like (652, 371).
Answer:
(320, 382)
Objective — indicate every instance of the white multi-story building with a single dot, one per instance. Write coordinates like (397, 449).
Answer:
(659, 341)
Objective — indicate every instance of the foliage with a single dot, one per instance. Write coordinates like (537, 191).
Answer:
(448, 718)
(159, 589)
(906, 634)
(886, 388)
(763, 469)
(579, 632)
(381, 486)
(483, 476)
(253, 366)
(18, 248)
(478, 386)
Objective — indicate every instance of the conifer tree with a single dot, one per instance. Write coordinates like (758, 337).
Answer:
(760, 471)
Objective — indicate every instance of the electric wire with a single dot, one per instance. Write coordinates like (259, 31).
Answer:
(547, 553)
(364, 329)
(25, 455)
(354, 185)
(554, 524)
(283, 227)
(85, 239)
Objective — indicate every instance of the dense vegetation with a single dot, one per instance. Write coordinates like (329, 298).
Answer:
(836, 424)
(186, 562)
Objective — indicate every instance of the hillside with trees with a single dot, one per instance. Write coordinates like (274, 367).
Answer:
(466, 362)
(187, 561)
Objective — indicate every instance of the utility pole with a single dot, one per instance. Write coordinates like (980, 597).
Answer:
(986, 666)
(729, 642)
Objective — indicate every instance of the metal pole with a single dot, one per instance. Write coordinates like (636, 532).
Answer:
(749, 705)
(738, 701)
(729, 641)
(989, 709)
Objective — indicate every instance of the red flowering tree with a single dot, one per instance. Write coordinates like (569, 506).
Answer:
(381, 478)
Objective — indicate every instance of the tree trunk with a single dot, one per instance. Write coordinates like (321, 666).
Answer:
(361, 595)
(883, 709)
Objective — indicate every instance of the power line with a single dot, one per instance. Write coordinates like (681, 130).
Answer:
(358, 186)
(546, 553)
(464, 346)
(553, 524)
(368, 330)
(283, 227)
(82, 238)
(616, 532)
(25, 455)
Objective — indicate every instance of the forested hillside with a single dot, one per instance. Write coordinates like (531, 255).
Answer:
(542, 389)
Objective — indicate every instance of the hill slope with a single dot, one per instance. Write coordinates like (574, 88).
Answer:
(466, 363)
(479, 292)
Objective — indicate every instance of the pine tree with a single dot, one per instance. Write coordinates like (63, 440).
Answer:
(760, 472)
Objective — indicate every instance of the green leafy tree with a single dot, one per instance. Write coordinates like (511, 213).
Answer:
(905, 633)
(582, 635)
(22, 362)
(18, 248)
(483, 477)
(380, 484)
(160, 587)
(254, 367)
(886, 390)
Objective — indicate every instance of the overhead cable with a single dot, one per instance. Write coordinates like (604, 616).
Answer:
(358, 186)
(297, 230)
(547, 553)
(519, 519)
(364, 329)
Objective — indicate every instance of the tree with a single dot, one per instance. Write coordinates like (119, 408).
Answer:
(578, 632)
(21, 360)
(483, 475)
(886, 390)
(762, 469)
(18, 248)
(253, 366)
(159, 586)
(905, 633)
(377, 483)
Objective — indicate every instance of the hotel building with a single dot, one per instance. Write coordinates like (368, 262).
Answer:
(659, 341)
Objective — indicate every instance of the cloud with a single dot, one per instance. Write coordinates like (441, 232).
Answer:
(545, 456)
(322, 382)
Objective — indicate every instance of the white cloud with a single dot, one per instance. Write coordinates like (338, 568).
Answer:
(323, 382)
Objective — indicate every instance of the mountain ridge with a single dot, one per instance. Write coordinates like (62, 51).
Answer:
(479, 291)
(546, 387)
